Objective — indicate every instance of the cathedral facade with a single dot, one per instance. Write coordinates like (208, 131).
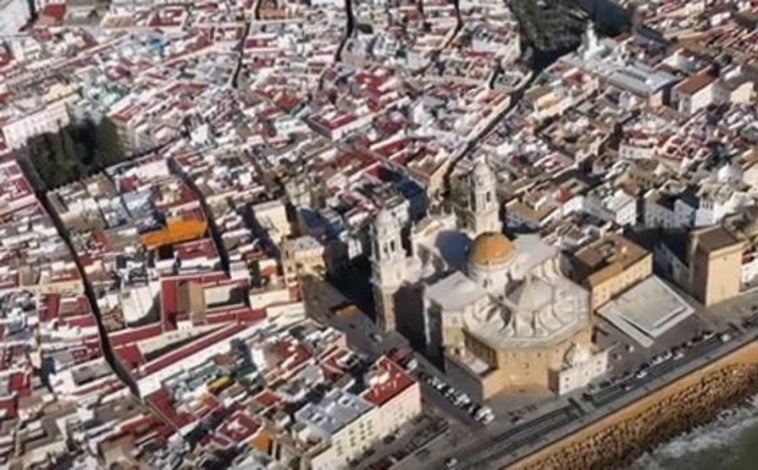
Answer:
(497, 312)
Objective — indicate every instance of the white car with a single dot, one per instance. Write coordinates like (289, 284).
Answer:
(451, 462)
(486, 419)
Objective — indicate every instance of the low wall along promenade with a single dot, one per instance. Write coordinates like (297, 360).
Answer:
(624, 435)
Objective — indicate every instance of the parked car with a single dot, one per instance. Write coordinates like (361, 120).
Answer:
(725, 337)
(451, 462)
(486, 419)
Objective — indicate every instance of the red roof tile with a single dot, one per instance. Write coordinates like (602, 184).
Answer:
(389, 380)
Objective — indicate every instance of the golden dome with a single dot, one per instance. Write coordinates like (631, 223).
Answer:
(491, 248)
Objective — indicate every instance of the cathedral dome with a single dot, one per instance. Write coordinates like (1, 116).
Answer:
(491, 248)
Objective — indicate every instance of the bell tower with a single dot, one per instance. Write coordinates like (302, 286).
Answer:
(482, 214)
(387, 266)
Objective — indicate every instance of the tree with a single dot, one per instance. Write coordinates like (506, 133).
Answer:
(74, 152)
(107, 142)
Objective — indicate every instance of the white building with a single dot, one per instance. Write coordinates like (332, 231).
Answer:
(611, 205)
(14, 14)
(694, 92)
(581, 367)
(272, 217)
(42, 116)
(347, 424)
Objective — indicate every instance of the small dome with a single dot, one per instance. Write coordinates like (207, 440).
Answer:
(385, 219)
(531, 295)
(576, 355)
(491, 249)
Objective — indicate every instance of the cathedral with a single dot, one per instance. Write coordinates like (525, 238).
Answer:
(497, 312)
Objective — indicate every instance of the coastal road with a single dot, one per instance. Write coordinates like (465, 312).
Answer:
(485, 450)
(693, 355)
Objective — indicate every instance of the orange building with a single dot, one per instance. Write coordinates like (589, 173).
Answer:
(175, 231)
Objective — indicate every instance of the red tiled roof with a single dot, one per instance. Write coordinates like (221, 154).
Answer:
(170, 294)
(20, 382)
(8, 407)
(164, 404)
(130, 354)
(132, 335)
(57, 11)
(267, 398)
(188, 350)
(391, 380)
(50, 309)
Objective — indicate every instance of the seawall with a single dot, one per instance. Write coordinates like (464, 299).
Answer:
(624, 435)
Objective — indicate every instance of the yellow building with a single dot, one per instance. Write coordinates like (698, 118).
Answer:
(609, 266)
(302, 256)
(716, 264)
(706, 262)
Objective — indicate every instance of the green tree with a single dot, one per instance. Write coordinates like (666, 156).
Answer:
(107, 142)
(74, 152)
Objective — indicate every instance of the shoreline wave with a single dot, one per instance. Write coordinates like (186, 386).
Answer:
(721, 434)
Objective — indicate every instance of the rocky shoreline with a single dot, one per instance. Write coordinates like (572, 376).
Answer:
(678, 412)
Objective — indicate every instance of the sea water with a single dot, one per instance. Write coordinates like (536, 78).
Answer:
(728, 443)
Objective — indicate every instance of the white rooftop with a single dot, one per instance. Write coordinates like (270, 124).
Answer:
(646, 311)
(336, 410)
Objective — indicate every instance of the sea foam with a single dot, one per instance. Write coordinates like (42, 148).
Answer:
(719, 434)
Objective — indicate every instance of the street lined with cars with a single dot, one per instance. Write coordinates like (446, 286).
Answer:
(659, 365)
(482, 414)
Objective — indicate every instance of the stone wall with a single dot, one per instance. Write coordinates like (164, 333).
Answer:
(619, 438)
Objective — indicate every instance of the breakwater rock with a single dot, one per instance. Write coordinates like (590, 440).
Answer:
(620, 438)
